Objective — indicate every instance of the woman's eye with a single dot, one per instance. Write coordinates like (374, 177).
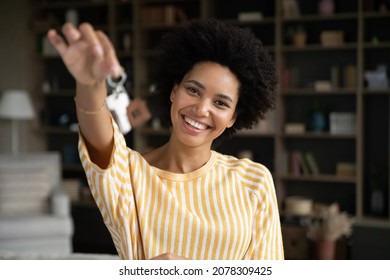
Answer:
(192, 90)
(221, 104)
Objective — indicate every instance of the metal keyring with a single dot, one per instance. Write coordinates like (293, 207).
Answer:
(119, 83)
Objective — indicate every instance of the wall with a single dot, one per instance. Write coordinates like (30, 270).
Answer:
(16, 66)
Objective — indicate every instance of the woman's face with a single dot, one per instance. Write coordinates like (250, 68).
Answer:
(204, 103)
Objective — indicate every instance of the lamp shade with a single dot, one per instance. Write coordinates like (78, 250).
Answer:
(16, 105)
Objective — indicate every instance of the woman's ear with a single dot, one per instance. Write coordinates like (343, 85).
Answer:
(232, 121)
(173, 92)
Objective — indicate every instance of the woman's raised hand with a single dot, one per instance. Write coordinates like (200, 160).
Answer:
(87, 53)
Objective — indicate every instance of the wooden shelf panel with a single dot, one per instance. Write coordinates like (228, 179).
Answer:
(381, 45)
(376, 91)
(320, 48)
(318, 135)
(166, 1)
(328, 178)
(313, 92)
(66, 4)
(263, 21)
(373, 15)
(321, 18)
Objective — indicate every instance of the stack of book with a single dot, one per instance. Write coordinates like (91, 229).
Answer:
(302, 163)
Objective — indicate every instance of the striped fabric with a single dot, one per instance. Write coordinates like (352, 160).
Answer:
(227, 209)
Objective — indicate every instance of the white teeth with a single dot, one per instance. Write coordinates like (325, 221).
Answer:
(194, 123)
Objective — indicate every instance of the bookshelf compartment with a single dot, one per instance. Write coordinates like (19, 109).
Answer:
(376, 155)
(252, 9)
(325, 192)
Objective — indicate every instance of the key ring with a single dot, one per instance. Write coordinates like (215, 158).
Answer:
(117, 85)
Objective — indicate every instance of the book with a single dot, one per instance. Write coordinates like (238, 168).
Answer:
(295, 163)
(312, 163)
(304, 166)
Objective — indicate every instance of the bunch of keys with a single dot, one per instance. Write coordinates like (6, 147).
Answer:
(118, 101)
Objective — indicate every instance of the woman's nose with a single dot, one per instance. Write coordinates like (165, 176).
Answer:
(203, 108)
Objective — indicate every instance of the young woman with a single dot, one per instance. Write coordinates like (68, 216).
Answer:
(182, 200)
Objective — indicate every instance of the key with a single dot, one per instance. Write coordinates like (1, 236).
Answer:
(118, 101)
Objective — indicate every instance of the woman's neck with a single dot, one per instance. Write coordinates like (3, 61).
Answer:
(178, 158)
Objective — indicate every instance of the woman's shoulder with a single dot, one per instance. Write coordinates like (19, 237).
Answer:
(244, 164)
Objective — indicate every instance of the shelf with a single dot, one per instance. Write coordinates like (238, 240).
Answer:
(319, 135)
(67, 4)
(376, 91)
(264, 21)
(166, 1)
(372, 221)
(161, 27)
(374, 15)
(319, 178)
(255, 134)
(321, 18)
(313, 92)
(320, 48)
(382, 45)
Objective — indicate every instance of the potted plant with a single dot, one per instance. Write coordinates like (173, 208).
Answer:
(297, 35)
(328, 225)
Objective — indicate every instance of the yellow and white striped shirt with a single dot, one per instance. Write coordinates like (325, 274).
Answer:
(227, 209)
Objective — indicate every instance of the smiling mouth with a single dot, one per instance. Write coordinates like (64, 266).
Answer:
(195, 124)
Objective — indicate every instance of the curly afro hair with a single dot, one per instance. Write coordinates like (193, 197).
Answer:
(231, 46)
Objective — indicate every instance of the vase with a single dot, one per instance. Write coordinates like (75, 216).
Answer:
(318, 121)
(299, 39)
(326, 7)
(325, 249)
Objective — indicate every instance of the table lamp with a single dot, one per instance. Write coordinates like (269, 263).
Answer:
(16, 105)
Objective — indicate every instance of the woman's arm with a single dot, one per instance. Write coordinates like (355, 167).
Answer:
(90, 58)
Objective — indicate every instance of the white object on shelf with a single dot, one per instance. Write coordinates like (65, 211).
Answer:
(298, 206)
(248, 16)
(342, 123)
(322, 86)
(293, 128)
(72, 16)
(377, 79)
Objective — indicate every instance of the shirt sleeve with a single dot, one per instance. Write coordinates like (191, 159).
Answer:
(266, 240)
(112, 191)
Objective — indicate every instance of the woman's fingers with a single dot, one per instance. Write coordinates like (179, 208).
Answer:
(89, 35)
(111, 61)
(88, 54)
(57, 42)
(71, 33)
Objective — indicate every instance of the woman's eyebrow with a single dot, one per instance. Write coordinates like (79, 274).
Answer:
(223, 96)
(220, 95)
(197, 83)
